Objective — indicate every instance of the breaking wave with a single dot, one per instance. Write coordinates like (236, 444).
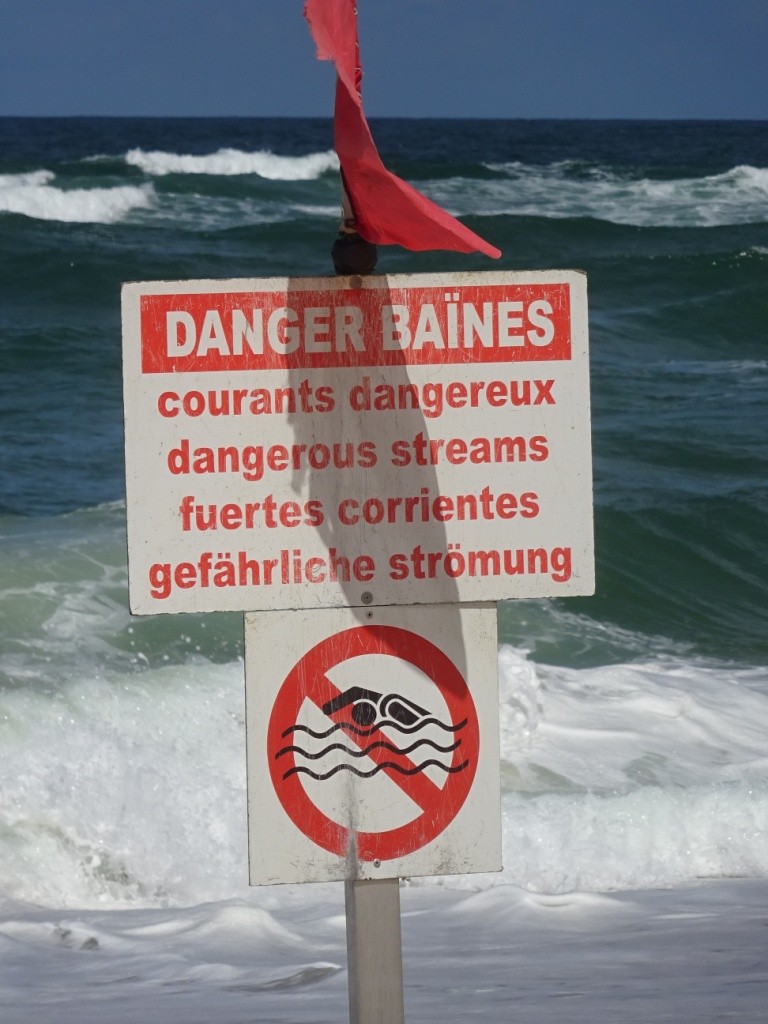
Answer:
(33, 195)
(229, 162)
(571, 189)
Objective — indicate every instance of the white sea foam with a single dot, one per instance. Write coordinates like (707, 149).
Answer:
(125, 789)
(130, 789)
(236, 162)
(738, 196)
(33, 195)
(613, 729)
(29, 179)
(316, 210)
(688, 956)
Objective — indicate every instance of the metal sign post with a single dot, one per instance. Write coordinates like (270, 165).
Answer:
(374, 952)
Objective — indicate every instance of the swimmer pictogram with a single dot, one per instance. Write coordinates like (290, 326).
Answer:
(416, 757)
(372, 715)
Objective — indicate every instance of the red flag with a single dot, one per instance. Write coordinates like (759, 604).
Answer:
(387, 210)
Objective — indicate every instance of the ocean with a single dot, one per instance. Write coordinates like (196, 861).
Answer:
(634, 761)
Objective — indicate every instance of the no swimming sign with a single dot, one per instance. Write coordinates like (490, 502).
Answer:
(373, 748)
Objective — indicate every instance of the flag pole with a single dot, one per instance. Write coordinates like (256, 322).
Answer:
(351, 253)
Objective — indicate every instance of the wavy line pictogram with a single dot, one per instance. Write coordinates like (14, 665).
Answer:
(379, 767)
(387, 723)
(361, 752)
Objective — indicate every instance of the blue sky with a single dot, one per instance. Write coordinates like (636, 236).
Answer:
(422, 58)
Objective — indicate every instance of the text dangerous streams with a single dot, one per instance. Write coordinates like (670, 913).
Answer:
(253, 461)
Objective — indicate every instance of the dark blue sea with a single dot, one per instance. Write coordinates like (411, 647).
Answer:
(633, 722)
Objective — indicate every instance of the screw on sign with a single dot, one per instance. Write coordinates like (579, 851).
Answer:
(376, 773)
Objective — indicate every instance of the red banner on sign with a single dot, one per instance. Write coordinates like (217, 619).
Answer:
(306, 329)
(387, 210)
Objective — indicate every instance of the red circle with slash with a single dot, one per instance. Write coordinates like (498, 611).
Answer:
(308, 680)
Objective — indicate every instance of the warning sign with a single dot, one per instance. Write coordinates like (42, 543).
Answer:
(376, 753)
(300, 443)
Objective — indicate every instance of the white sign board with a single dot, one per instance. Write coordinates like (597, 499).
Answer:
(373, 747)
(300, 443)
